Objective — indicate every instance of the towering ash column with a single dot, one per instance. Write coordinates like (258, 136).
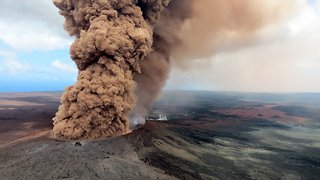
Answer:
(112, 36)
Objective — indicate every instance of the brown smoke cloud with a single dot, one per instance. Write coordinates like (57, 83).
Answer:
(123, 50)
(212, 25)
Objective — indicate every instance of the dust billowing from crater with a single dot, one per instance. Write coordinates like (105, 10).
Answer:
(124, 51)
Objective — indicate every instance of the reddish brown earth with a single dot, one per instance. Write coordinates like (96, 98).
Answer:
(265, 112)
(25, 116)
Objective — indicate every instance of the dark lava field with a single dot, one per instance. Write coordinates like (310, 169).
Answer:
(207, 135)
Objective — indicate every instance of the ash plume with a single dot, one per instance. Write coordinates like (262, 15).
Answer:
(124, 51)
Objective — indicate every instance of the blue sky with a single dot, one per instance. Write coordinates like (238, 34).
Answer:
(34, 54)
(35, 70)
(34, 48)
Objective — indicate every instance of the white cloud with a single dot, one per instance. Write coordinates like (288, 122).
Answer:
(71, 68)
(10, 64)
(32, 25)
(317, 6)
(7, 54)
(15, 66)
(34, 38)
(305, 21)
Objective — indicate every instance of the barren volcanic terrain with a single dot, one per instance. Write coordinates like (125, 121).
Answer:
(208, 135)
